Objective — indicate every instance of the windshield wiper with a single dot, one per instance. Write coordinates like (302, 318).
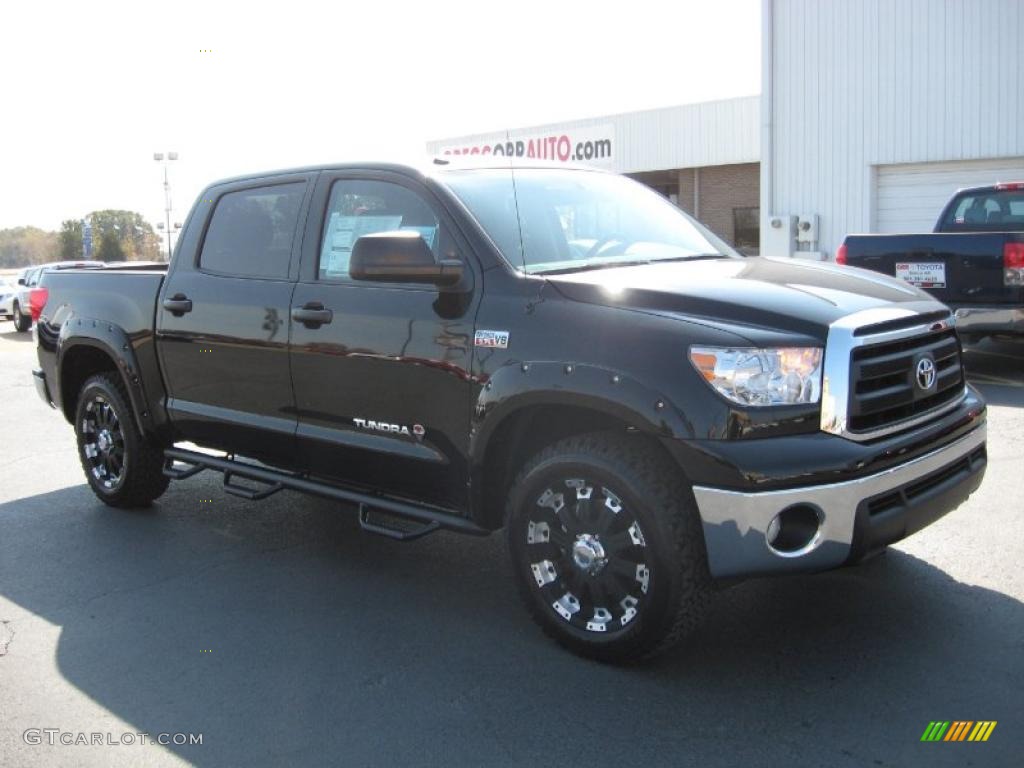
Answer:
(591, 265)
(594, 265)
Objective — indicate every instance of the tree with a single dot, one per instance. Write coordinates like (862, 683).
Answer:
(110, 247)
(70, 240)
(21, 246)
(134, 234)
(116, 235)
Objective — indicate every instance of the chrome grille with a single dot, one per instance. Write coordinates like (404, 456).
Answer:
(883, 383)
(870, 368)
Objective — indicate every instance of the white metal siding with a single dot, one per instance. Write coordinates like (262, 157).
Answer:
(854, 85)
(688, 136)
(911, 197)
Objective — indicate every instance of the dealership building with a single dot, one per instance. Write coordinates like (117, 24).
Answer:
(871, 115)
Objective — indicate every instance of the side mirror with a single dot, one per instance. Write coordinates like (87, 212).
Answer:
(401, 257)
(21, 281)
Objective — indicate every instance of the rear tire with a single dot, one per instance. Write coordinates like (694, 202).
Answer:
(122, 467)
(22, 322)
(607, 547)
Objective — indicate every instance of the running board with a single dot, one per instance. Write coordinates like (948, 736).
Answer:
(428, 519)
(244, 492)
(397, 532)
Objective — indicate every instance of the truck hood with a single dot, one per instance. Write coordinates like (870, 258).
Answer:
(758, 293)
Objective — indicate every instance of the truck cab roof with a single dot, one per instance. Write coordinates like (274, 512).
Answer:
(426, 167)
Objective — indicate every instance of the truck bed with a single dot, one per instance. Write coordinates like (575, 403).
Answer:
(114, 305)
(122, 294)
(970, 264)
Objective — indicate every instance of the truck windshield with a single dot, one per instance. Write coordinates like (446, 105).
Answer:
(554, 220)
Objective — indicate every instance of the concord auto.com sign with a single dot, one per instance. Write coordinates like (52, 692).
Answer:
(589, 146)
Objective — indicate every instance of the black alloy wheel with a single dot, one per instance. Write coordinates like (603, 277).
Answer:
(103, 442)
(607, 547)
(588, 555)
(122, 466)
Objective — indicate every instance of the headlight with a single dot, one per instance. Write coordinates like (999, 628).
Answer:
(784, 376)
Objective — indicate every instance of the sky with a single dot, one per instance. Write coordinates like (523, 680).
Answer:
(92, 90)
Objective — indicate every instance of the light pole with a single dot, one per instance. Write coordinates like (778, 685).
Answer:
(177, 227)
(161, 158)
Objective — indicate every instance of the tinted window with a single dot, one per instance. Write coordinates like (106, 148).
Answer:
(252, 230)
(361, 207)
(993, 210)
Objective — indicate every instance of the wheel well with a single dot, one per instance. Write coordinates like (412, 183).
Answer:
(77, 366)
(523, 434)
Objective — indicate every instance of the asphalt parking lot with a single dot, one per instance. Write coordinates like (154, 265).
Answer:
(285, 635)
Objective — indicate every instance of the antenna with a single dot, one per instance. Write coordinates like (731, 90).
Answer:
(515, 198)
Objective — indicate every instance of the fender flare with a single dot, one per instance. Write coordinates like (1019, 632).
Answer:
(517, 386)
(114, 342)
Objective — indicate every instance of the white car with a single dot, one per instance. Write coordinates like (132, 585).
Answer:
(8, 290)
(27, 279)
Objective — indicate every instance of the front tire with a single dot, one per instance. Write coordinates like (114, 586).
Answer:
(22, 322)
(607, 548)
(121, 466)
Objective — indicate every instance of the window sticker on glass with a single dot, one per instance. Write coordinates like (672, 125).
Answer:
(342, 233)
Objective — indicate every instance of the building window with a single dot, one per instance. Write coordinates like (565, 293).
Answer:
(746, 228)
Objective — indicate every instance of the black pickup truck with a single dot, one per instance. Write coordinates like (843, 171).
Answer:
(557, 352)
(973, 261)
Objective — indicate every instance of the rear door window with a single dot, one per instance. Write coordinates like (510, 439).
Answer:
(252, 231)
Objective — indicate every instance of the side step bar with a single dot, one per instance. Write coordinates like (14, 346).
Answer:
(428, 518)
(396, 532)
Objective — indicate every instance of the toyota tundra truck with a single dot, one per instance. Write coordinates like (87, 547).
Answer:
(560, 353)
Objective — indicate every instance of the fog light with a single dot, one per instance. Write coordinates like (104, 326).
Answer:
(794, 531)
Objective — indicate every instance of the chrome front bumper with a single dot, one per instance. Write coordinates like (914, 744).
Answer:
(994, 319)
(736, 523)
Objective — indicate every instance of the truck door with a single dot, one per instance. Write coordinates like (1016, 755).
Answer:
(223, 318)
(382, 384)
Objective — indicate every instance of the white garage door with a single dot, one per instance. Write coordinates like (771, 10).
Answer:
(911, 197)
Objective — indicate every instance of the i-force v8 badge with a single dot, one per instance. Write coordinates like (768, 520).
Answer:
(491, 339)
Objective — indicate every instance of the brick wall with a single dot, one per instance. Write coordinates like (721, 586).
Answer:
(722, 188)
(686, 189)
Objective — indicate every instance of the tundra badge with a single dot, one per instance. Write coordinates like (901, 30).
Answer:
(391, 429)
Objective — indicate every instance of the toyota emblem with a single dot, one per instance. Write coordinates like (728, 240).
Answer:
(925, 373)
